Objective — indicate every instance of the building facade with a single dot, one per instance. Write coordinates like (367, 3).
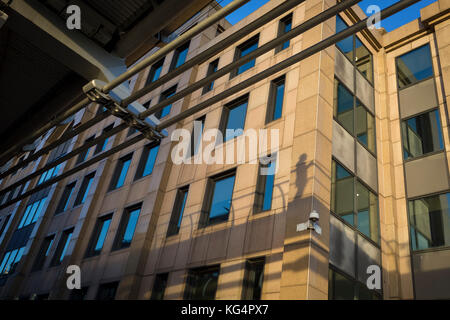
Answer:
(363, 140)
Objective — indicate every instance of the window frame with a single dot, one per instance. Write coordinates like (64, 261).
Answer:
(226, 109)
(399, 89)
(44, 253)
(119, 243)
(178, 209)
(271, 106)
(213, 66)
(86, 184)
(118, 170)
(63, 207)
(98, 228)
(354, 226)
(192, 273)
(282, 30)
(238, 54)
(63, 243)
(205, 219)
(355, 106)
(142, 164)
(177, 53)
(441, 133)
(153, 69)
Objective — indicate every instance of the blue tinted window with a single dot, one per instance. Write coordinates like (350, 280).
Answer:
(244, 50)
(147, 161)
(166, 110)
(102, 236)
(276, 108)
(66, 244)
(155, 71)
(212, 68)
(131, 226)
(236, 120)
(121, 173)
(345, 45)
(178, 211)
(180, 55)
(268, 191)
(414, 66)
(84, 189)
(221, 199)
(183, 204)
(285, 27)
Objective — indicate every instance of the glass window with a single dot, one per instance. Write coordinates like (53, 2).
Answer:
(83, 155)
(127, 227)
(147, 161)
(164, 96)
(178, 210)
(84, 189)
(180, 55)
(102, 145)
(275, 107)
(342, 287)
(367, 212)
(43, 253)
(107, 291)
(32, 213)
(414, 66)
(345, 45)
(243, 50)
(422, 134)
(155, 71)
(365, 126)
(159, 286)
(202, 284)
(99, 236)
(264, 188)
(284, 27)
(4, 224)
(429, 220)
(79, 294)
(363, 60)
(196, 137)
(212, 68)
(253, 279)
(221, 193)
(63, 204)
(61, 249)
(234, 118)
(342, 193)
(343, 106)
(121, 171)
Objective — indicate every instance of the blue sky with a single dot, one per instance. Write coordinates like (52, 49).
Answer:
(407, 15)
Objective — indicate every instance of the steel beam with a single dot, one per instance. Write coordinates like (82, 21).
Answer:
(286, 63)
(66, 157)
(65, 137)
(222, 13)
(311, 23)
(215, 49)
(82, 166)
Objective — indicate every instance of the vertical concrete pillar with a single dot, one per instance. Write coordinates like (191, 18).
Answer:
(306, 253)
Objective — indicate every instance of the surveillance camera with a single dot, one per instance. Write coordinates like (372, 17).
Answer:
(314, 216)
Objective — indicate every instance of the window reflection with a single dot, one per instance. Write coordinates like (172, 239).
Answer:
(422, 134)
(430, 222)
(414, 66)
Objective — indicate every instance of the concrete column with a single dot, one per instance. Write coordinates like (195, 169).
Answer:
(306, 254)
